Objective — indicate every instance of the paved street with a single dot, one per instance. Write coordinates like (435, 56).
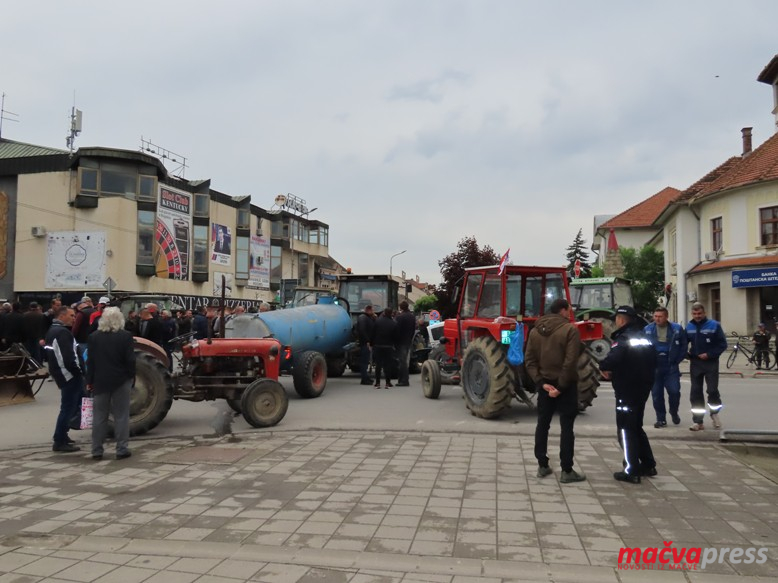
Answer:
(445, 501)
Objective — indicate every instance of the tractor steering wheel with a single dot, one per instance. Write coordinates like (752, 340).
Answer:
(181, 340)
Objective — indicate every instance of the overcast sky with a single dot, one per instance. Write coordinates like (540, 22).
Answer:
(407, 124)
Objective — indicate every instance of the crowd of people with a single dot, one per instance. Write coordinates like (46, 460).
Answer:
(380, 338)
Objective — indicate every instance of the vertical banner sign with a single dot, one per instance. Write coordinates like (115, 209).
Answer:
(221, 244)
(172, 238)
(75, 260)
(259, 271)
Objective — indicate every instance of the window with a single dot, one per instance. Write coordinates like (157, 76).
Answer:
(146, 224)
(147, 188)
(768, 221)
(275, 264)
(242, 259)
(470, 297)
(202, 204)
(673, 246)
(489, 306)
(716, 238)
(513, 295)
(200, 246)
(302, 271)
(243, 219)
(98, 178)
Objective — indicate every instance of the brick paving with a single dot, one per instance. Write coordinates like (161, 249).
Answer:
(332, 507)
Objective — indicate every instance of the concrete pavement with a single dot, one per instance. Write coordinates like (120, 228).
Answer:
(371, 506)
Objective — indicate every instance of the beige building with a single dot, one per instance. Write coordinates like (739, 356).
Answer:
(75, 222)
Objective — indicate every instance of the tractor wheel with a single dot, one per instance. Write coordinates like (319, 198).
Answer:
(264, 403)
(588, 379)
(336, 367)
(430, 379)
(414, 366)
(234, 405)
(487, 379)
(152, 395)
(310, 374)
(439, 355)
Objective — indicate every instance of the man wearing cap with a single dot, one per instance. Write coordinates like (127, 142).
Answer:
(669, 340)
(762, 346)
(707, 342)
(94, 317)
(630, 366)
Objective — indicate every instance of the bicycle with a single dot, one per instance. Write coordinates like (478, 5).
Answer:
(751, 355)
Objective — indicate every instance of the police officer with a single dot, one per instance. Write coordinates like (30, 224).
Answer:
(630, 365)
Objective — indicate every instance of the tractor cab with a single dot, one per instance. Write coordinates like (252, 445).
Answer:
(360, 291)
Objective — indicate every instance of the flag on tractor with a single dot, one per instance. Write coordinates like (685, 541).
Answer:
(504, 261)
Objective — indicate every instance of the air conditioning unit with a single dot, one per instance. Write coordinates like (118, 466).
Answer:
(711, 256)
(38, 231)
(691, 296)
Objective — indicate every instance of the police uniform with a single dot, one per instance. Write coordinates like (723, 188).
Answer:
(632, 363)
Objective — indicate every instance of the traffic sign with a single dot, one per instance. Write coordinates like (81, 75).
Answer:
(109, 284)
(434, 316)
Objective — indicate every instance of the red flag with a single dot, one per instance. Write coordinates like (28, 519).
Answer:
(504, 261)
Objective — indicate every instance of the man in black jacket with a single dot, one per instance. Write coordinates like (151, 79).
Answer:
(383, 342)
(65, 369)
(631, 365)
(365, 325)
(406, 330)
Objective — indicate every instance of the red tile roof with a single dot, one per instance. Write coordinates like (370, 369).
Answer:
(733, 263)
(761, 165)
(644, 213)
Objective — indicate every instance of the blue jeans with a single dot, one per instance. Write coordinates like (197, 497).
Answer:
(70, 404)
(667, 377)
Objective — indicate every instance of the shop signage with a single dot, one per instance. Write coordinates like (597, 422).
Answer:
(764, 277)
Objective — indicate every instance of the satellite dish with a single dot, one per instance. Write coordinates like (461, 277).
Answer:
(280, 200)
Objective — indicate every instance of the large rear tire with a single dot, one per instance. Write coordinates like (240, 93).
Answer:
(264, 403)
(430, 379)
(487, 378)
(310, 374)
(588, 379)
(152, 395)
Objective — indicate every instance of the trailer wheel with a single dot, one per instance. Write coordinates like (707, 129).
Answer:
(588, 379)
(336, 367)
(310, 374)
(152, 395)
(487, 379)
(439, 355)
(264, 403)
(430, 379)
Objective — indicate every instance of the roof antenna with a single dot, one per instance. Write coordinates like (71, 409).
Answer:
(4, 113)
(75, 126)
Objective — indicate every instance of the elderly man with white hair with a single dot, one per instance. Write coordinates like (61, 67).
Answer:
(110, 375)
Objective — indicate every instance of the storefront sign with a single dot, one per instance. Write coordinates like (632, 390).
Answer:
(174, 224)
(755, 277)
(75, 260)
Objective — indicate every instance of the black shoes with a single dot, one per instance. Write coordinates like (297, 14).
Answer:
(676, 418)
(544, 471)
(65, 447)
(660, 424)
(97, 457)
(648, 472)
(123, 456)
(625, 477)
(570, 477)
(366, 382)
(388, 385)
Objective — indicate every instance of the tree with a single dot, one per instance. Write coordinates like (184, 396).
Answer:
(452, 270)
(645, 268)
(577, 251)
(425, 304)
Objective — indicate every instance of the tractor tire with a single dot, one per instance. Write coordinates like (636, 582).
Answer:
(414, 365)
(151, 397)
(310, 374)
(264, 403)
(430, 379)
(588, 379)
(439, 355)
(234, 405)
(336, 367)
(487, 379)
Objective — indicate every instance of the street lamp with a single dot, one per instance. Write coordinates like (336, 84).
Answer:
(392, 257)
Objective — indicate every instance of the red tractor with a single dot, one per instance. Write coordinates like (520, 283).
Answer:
(244, 371)
(476, 341)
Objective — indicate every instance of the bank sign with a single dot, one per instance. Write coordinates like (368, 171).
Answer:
(755, 277)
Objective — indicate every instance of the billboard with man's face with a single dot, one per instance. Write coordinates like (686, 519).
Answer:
(221, 244)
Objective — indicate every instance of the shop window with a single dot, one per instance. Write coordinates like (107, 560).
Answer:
(768, 224)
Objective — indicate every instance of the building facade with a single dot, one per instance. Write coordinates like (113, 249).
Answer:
(80, 223)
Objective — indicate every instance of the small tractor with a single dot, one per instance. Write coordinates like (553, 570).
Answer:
(242, 371)
(595, 299)
(476, 341)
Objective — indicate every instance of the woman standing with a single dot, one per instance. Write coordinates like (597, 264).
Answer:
(110, 375)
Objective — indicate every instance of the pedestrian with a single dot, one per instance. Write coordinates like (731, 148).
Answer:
(383, 342)
(762, 346)
(630, 365)
(406, 331)
(131, 323)
(34, 330)
(51, 313)
(65, 369)
(365, 326)
(707, 342)
(13, 325)
(94, 317)
(184, 322)
(551, 360)
(200, 323)
(81, 323)
(110, 376)
(669, 340)
(150, 326)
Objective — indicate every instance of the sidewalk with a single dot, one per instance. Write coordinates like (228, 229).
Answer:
(363, 507)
